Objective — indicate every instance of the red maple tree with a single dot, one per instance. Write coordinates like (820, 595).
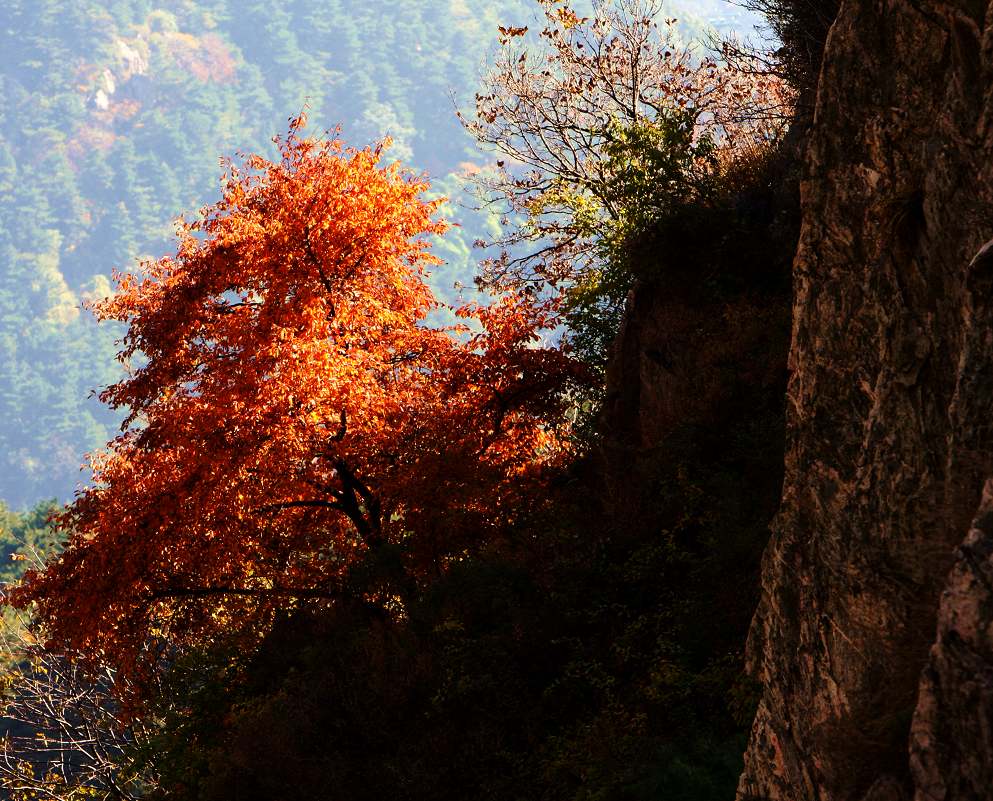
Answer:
(292, 411)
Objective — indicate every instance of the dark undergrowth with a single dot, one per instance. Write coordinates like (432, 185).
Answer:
(593, 655)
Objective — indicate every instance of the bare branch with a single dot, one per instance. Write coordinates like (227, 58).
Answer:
(252, 592)
(554, 104)
(66, 736)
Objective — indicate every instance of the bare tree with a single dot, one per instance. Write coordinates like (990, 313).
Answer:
(65, 736)
(801, 28)
(562, 107)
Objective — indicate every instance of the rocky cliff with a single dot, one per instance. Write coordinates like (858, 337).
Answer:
(951, 746)
(889, 427)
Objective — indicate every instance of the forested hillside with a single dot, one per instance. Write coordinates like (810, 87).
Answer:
(112, 120)
(343, 548)
(356, 543)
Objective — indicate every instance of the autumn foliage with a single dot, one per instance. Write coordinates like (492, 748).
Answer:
(597, 121)
(292, 413)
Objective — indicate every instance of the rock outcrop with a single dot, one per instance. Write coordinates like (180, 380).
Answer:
(890, 421)
(684, 365)
(952, 733)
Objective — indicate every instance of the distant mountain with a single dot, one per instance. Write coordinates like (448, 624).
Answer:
(113, 115)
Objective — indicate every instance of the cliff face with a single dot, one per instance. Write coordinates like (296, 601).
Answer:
(951, 743)
(889, 425)
(687, 375)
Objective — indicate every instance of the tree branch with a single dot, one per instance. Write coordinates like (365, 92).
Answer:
(254, 592)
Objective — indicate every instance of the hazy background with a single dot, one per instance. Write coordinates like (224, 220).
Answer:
(112, 118)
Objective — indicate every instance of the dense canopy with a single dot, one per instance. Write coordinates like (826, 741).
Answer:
(292, 411)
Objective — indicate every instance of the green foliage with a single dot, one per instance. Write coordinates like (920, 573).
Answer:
(656, 166)
(26, 539)
(24, 536)
(662, 172)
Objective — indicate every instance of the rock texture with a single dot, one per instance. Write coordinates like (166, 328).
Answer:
(683, 364)
(890, 411)
(952, 732)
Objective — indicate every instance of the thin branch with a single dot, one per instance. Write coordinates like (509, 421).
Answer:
(172, 593)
